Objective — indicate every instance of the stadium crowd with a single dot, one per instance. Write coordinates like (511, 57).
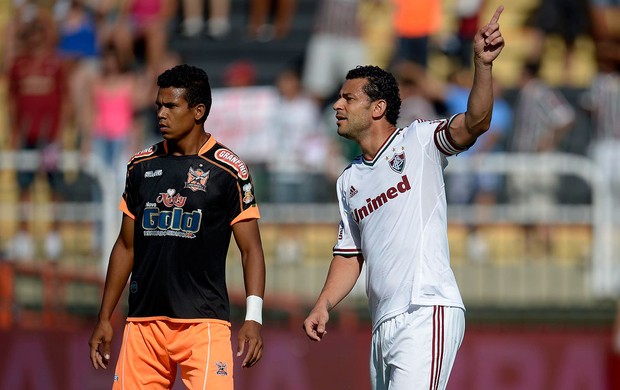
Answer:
(78, 75)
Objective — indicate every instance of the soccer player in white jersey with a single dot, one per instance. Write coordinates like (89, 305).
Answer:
(393, 218)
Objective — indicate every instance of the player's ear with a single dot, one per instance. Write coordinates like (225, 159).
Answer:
(379, 108)
(199, 111)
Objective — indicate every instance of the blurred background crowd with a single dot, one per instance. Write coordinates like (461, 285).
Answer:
(77, 91)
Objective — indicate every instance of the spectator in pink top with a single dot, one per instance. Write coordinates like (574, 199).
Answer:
(116, 96)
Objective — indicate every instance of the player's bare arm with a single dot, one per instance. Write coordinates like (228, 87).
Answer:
(488, 44)
(119, 269)
(247, 237)
(341, 278)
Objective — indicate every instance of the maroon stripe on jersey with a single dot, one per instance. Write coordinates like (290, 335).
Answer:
(444, 142)
(438, 346)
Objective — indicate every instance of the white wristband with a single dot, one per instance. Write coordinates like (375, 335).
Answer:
(254, 308)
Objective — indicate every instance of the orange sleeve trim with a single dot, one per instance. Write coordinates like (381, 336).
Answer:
(251, 213)
(178, 320)
(123, 207)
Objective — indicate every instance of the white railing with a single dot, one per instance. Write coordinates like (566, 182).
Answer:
(103, 211)
(604, 276)
(298, 237)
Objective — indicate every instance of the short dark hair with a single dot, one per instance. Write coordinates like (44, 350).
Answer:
(194, 80)
(381, 85)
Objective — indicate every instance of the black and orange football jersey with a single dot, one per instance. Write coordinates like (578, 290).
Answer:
(183, 209)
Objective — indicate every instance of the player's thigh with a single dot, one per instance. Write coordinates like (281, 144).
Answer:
(205, 357)
(143, 362)
(423, 351)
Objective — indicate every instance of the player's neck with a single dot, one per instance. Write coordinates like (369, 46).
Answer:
(189, 145)
(372, 144)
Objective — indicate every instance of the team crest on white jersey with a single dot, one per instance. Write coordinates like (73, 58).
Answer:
(397, 162)
(197, 179)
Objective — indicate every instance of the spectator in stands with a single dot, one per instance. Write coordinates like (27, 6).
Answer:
(79, 47)
(22, 14)
(604, 15)
(376, 19)
(301, 145)
(117, 94)
(38, 110)
(218, 21)
(414, 23)
(146, 21)
(604, 104)
(604, 94)
(542, 119)
(259, 26)
(416, 103)
(240, 73)
(566, 19)
(334, 47)
(467, 13)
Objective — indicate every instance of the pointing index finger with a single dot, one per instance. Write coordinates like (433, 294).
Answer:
(498, 12)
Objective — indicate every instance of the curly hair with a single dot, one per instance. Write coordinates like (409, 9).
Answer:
(381, 85)
(194, 80)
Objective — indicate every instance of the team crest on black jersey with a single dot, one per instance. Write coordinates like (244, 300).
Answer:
(197, 179)
(397, 162)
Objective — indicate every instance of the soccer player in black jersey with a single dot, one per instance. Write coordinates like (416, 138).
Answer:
(183, 199)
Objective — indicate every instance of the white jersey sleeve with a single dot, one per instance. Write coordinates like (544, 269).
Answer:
(349, 241)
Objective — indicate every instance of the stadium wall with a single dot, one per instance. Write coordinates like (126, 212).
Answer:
(507, 357)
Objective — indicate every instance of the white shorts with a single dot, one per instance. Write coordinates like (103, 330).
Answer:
(416, 350)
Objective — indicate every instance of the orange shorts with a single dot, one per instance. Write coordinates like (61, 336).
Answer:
(152, 349)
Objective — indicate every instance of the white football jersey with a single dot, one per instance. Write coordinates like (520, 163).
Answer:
(393, 211)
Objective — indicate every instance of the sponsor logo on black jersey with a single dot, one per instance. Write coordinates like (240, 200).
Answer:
(155, 173)
(197, 179)
(145, 152)
(397, 162)
(173, 220)
(170, 198)
(174, 223)
(231, 159)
